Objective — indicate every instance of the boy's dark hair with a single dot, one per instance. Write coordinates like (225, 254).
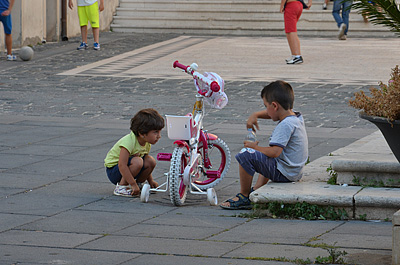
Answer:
(279, 91)
(145, 121)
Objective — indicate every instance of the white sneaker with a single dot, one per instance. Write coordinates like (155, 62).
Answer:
(324, 7)
(11, 57)
(121, 190)
(342, 29)
(291, 58)
(295, 60)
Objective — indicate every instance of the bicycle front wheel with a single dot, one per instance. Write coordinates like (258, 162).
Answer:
(177, 189)
(220, 158)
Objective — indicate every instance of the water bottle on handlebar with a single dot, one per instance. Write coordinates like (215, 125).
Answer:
(210, 85)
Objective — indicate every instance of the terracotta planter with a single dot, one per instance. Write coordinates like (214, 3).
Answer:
(391, 132)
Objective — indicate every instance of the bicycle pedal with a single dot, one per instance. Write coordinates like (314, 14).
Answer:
(213, 174)
(164, 156)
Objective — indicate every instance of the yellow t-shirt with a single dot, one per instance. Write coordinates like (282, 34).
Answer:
(130, 143)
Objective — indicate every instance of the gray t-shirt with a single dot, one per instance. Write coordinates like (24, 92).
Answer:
(291, 135)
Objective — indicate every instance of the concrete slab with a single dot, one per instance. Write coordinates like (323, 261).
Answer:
(366, 228)
(206, 220)
(190, 232)
(378, 197)
(20, 181)
(60, 167)
(52, 255)
(357, 241)
(9, 220)
(270, 231)
(270, 251)
(116, 204)
(368, 256)
(45, 239)
(90, 222)
(38, 204)
(396, 218)
(310, 192)
(173, 260)
(162, 246)
(396, 245)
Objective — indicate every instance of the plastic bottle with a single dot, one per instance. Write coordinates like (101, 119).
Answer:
(251, 135)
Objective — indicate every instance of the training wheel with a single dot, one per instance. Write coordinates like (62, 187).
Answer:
(144, 195)
(212, 197)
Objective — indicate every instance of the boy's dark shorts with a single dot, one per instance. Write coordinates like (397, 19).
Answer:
(254, 161)
(7, 24)
(114, 175)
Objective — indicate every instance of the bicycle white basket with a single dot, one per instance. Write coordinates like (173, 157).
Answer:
(179, 127)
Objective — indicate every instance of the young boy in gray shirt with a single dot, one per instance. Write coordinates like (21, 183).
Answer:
(283, 160)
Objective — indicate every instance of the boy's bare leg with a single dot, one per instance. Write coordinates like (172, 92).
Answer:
(245, 184)
(261, 181)
(84, 33)
(149, 165)
(135, 167)
(96, 33)
(294, 43)
(9, 43)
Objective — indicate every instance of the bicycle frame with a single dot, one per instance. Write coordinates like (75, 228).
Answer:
(187, 133)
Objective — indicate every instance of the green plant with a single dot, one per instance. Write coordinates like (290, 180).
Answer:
(363, 217)
(383, 102)
(356, 181)
(333, 179)
(302, 210)
(381, 12)
(335, 256)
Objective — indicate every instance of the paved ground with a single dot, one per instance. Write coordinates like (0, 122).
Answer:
(62, 111)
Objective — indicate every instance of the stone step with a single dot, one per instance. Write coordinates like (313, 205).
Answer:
(229, 17)
(359, 202)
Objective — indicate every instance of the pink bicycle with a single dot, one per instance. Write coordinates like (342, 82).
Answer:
(200, 159)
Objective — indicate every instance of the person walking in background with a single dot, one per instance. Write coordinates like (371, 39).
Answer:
(5, 17)
(325, 5)
(292, 10)
(342, 21)
(88, 10)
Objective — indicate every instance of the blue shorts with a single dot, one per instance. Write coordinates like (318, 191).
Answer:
(7, 24)
(114, 175)
(254, 161)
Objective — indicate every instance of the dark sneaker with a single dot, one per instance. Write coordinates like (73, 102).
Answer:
(83, 46)
(295, 60)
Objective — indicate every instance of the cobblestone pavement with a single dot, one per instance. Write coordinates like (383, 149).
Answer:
(35, 88)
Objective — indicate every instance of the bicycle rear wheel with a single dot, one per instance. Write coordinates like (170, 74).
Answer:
(220, 158)
(177, 189)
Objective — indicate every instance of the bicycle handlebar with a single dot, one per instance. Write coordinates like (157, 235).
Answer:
(214, 86)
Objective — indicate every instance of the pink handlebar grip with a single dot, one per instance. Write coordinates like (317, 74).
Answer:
(179, 65)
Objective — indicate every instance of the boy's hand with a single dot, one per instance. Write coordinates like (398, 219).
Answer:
(70, 4)
(101, 6)
(252, 121)
(135, 190)
(6, 13)
(250, 144)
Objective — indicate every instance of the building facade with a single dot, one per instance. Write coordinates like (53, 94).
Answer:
(35, 21)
